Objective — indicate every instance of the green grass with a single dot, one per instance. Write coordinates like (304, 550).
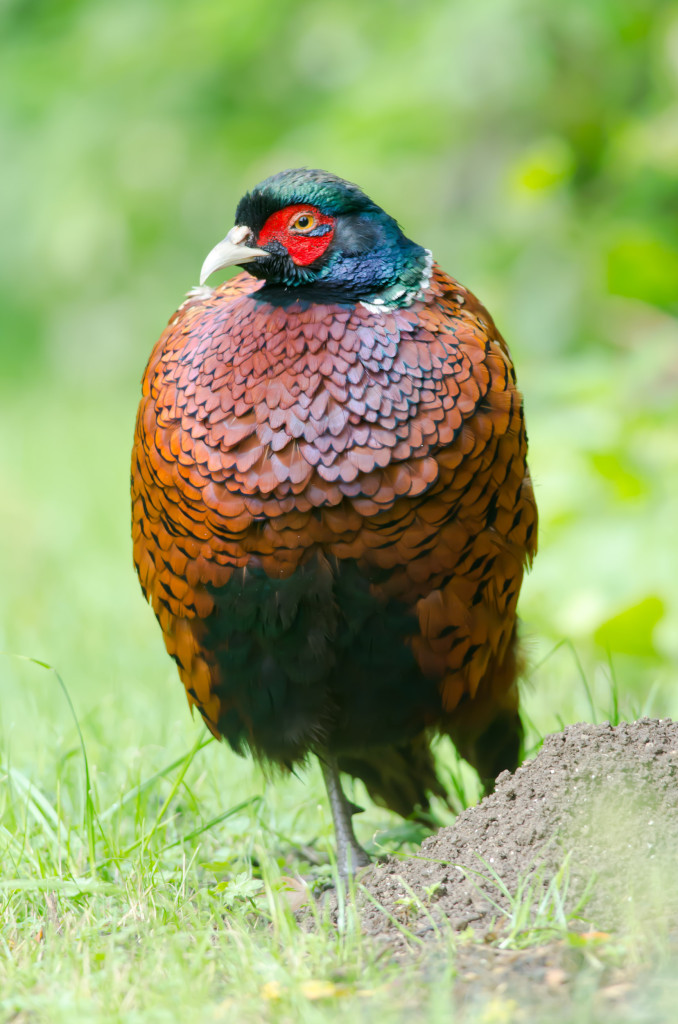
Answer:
(536, 911)
(136, 902)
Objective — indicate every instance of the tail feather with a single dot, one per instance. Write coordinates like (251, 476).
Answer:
(402, 778)
(487, 731)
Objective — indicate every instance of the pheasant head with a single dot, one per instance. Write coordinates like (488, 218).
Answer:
(310, 234)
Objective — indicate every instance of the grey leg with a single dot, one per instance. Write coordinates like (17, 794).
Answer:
(350, 856)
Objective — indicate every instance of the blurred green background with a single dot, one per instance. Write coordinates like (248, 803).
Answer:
(532, 146)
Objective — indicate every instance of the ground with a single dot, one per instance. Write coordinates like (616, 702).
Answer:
(596, 811)
(544, 881)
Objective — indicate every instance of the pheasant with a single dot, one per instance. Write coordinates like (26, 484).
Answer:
(332, 511)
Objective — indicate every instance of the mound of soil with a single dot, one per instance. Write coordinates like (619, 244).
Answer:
(595, 815)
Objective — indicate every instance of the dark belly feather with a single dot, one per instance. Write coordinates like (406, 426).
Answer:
(314, 660)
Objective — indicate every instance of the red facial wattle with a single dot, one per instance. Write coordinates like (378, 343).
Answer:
(305, 246)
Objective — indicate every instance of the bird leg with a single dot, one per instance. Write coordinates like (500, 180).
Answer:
(350, 855)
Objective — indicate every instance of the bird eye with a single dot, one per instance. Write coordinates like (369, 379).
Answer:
(304, 222)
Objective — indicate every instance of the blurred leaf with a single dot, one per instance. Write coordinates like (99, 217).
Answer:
(317, 988)
(242, 888)
(611, 466)
(544, 166)
(398, 835)
(642, 265)
(631, 631)
(271, 990)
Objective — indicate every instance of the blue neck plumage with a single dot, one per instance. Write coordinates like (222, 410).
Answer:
(388, 277)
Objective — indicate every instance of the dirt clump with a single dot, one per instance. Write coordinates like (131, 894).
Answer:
(594, 816)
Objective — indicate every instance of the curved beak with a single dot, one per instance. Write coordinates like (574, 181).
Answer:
(231, 252)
